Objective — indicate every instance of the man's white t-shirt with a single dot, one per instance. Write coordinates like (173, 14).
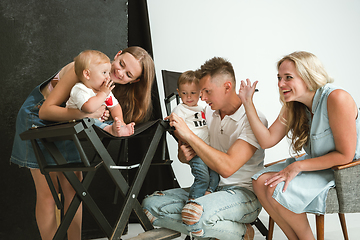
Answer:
(224, 132)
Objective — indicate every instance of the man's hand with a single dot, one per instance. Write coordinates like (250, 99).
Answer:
(182, 131)
(185, 152)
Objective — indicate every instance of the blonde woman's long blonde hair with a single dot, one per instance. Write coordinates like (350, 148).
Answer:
(313, 73)
(135, 99)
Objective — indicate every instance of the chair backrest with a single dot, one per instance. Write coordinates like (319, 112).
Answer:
(170, 85)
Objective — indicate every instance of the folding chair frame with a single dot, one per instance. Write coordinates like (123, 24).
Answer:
(83, 129)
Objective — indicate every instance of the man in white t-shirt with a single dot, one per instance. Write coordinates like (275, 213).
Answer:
(233, 152)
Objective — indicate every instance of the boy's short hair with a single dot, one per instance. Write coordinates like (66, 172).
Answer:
(187, 77)
(216, 66)
(87, 57)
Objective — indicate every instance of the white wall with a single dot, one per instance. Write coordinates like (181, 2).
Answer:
(253, 35)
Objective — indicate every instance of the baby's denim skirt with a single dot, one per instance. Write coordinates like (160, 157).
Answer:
(28, 116)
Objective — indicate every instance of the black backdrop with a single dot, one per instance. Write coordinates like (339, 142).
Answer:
(37, 37)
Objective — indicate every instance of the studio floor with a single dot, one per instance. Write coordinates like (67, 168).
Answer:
(332, 228)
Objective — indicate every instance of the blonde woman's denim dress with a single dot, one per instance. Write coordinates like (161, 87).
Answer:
(307, 192)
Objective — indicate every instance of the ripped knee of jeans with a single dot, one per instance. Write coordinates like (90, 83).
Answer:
(191, 213)
(150, 216)
(198, 233)
(156, 193)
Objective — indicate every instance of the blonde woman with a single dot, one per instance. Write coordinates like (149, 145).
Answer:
(318, 117)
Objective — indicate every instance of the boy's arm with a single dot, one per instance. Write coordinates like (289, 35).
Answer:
(94, 103)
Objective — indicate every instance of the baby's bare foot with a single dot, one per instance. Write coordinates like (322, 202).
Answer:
(122, 130)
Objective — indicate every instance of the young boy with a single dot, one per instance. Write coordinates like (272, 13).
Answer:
(206, 180)
(93, 70)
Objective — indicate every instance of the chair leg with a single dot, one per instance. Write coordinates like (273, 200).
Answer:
(319, 227)
(343, 226)
(271, 229)
(260, 226)
(58, 214)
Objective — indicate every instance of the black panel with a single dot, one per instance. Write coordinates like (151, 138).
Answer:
(38, 37)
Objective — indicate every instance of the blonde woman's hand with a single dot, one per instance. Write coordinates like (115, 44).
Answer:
(285, 175)
(247, 90)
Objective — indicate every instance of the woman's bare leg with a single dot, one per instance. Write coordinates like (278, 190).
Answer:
(295, 226)
(74, 231)
(45, 206)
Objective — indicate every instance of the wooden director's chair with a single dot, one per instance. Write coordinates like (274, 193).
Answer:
(85, 131)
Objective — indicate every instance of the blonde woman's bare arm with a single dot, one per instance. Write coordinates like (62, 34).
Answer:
(267, 138)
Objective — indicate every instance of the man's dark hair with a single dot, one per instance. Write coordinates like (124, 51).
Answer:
(215, 66)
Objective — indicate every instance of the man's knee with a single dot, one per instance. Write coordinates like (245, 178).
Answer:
(191, 213)
(148, 205)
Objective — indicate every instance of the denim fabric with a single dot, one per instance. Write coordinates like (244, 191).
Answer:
(224, 215)
(205, 179)
(28, 116)
(321, 139)
(307, 192)
(101, 124)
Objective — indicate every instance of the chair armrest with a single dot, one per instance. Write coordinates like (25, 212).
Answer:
(339, 167)
(272, 163)
(351, 164)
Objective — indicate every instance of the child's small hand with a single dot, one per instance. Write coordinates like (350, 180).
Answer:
(107, 86)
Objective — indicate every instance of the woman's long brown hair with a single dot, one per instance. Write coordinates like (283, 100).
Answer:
(135, 98)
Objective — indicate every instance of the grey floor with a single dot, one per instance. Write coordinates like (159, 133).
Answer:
(332, 228)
